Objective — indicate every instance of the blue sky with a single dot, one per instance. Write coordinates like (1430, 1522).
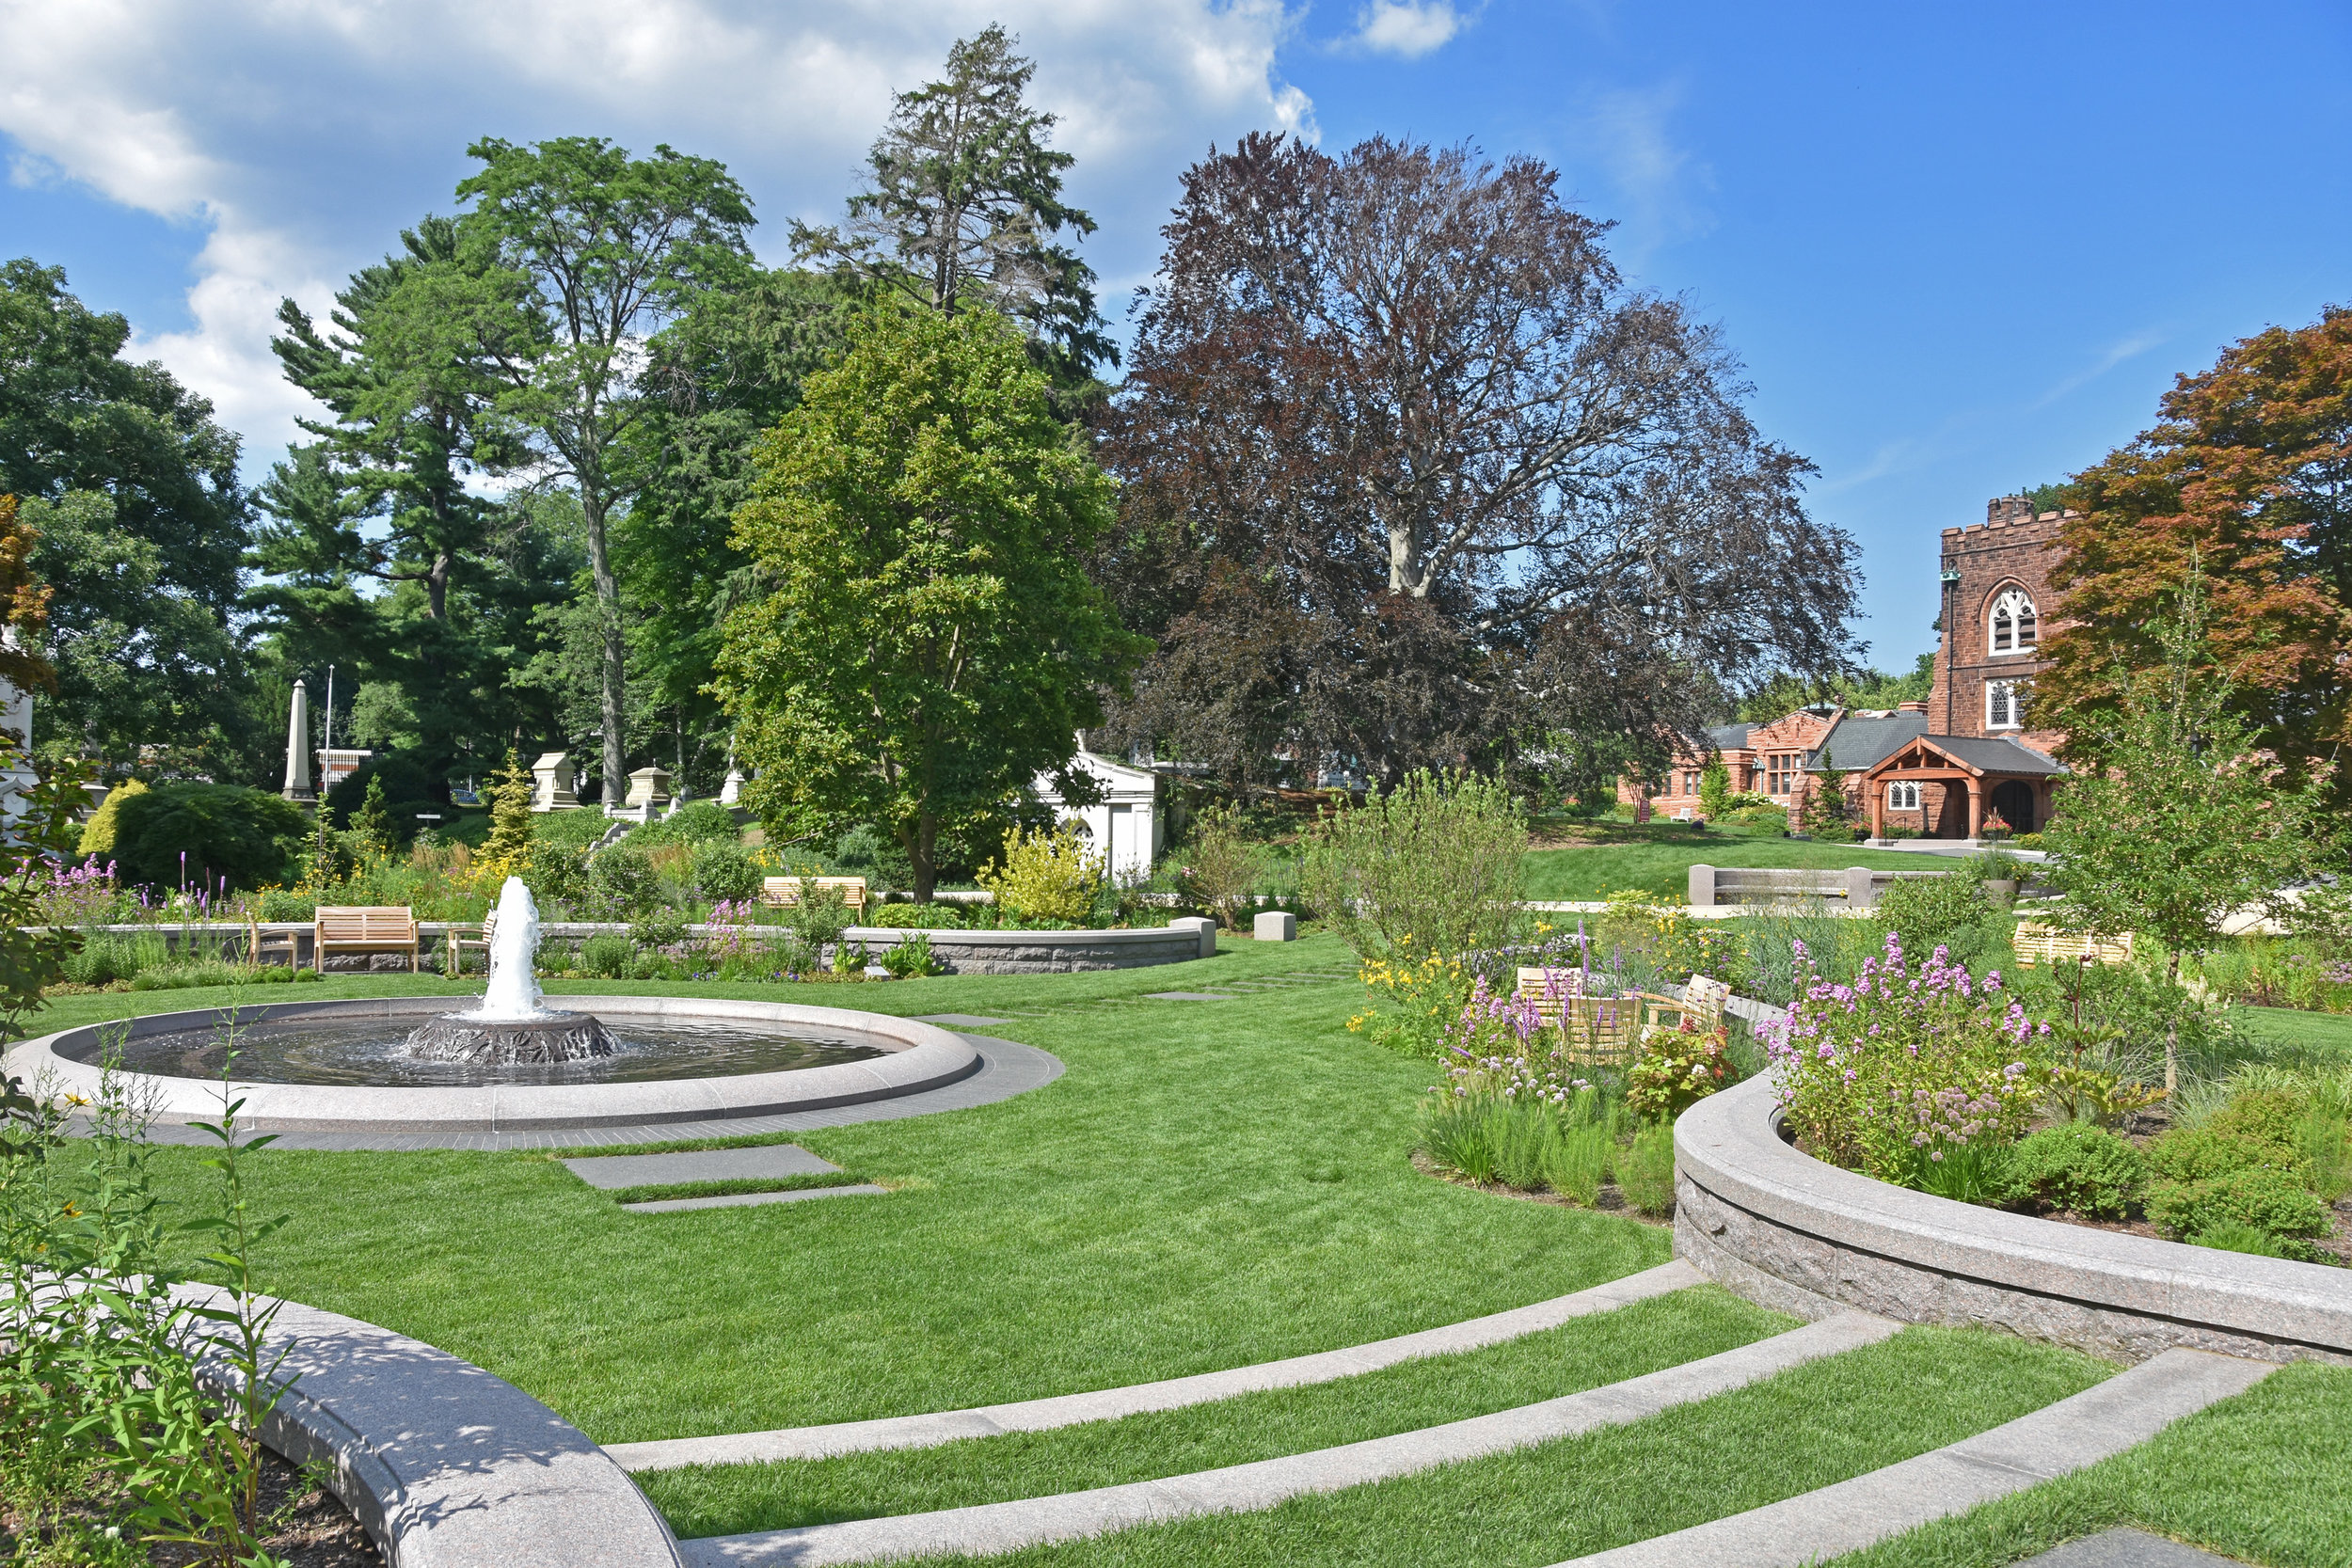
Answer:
(1961, 249)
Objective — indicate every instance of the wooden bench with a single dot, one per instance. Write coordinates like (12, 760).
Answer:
(2038, 941)
(458, 939)
(783, 893)
(261, 941)
(1605, 1030)
(365, 929)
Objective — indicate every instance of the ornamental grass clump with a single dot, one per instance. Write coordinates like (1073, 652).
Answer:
(1900, 1073)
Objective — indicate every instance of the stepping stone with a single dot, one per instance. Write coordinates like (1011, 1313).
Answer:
(1190, 996)
(2126, 1548)
(769, 1161)
(743, 1200)
(962, 1020)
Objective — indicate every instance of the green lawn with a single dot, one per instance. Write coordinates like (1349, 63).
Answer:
(2266, 1477)
(1211, 1184)
(2295, 1026)
(1656, 857)
(1806, 1428)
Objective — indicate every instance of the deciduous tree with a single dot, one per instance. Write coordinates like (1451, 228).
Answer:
(132, 488)
(2248, 467)
(2185, 818)
(598, 251)
(930, 642)
(1411, 472)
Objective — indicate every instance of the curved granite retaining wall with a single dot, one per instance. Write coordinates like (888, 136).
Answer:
(1786, 1230)
(445, 1466)
(1052, 952)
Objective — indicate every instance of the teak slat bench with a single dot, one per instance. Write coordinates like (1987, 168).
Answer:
(2038, 942)
(785, 891)
(365, 929)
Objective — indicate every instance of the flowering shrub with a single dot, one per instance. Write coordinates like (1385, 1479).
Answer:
(84, 895)
(1676, 1066)
(1899, 1070)
(1415, 1002)
(1051, 877)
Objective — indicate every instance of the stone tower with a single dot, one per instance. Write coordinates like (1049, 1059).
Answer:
(1995, 607)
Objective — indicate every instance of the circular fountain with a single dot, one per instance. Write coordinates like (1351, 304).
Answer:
(408, 1068)
(511, 1024)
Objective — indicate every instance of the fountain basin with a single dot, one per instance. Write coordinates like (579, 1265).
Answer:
(909, 1057)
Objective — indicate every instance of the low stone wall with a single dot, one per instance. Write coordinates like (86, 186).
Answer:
(1786, 1230)
(956, 952)
(1052, 952)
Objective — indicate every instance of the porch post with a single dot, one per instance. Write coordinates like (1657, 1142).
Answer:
(1975, 809)
(1878, 807)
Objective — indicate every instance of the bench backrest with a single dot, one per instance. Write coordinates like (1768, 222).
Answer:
(366, 923)
(2037, 939)
(785, 891)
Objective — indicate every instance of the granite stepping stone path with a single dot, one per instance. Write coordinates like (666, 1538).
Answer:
(2126, 1548)
(766, 1162)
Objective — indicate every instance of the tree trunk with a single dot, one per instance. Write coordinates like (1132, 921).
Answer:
(923, 853)
(615, 668)
(2172, 1032)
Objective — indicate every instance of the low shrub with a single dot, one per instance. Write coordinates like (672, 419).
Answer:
(2028, 841)
(659, 931)
(204, 972)
(622, 884)
(1222, 864)
(2270, 1201)
(99, 831)
(2267, 1115)
(607, 955)
(696, 822)
(1041, 876)
(1676, 1066)
(201, 832)
(916, 917)
(1951, 911)
(910, 958)
(2187, 1154)
(2078, 1169)
(725, 872)
(1645, 1170)
(819, 917)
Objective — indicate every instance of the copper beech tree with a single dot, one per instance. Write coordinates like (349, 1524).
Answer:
(1411, 473)
(2248, 470)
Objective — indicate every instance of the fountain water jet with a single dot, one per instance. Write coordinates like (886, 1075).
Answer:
(510, 1024)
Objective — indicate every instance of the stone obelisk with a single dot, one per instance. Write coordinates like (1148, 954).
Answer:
(298, 748)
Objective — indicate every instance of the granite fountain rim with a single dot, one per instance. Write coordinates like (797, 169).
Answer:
(917, 1058)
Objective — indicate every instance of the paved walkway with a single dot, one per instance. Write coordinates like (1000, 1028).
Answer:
(2057, 1440)
(995, 1528)
(1007, 1068)
(1109, 1404)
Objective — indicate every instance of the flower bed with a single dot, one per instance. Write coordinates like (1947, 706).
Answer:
(1930, 1079)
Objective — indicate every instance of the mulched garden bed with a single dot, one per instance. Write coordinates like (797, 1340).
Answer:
(310, 1527)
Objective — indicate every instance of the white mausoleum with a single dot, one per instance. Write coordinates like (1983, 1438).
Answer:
(1127, 827)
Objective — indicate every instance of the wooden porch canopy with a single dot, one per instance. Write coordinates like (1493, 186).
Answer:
(1976, 765)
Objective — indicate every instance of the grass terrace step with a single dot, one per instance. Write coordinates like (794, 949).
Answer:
(1589, 1353)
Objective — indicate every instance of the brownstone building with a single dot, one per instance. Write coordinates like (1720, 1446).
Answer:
(1949, 765)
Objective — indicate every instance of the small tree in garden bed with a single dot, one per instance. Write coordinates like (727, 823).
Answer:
(1223, 863)
(1047, 877)
(1903, 1071)
(2181, 819)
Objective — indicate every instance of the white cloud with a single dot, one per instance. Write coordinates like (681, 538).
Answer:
(1660, 185)
(1407, 28)
(303, 134)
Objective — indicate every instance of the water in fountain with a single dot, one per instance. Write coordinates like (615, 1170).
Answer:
(509, 1025)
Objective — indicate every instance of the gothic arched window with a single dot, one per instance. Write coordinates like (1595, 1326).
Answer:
(2014, 630)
